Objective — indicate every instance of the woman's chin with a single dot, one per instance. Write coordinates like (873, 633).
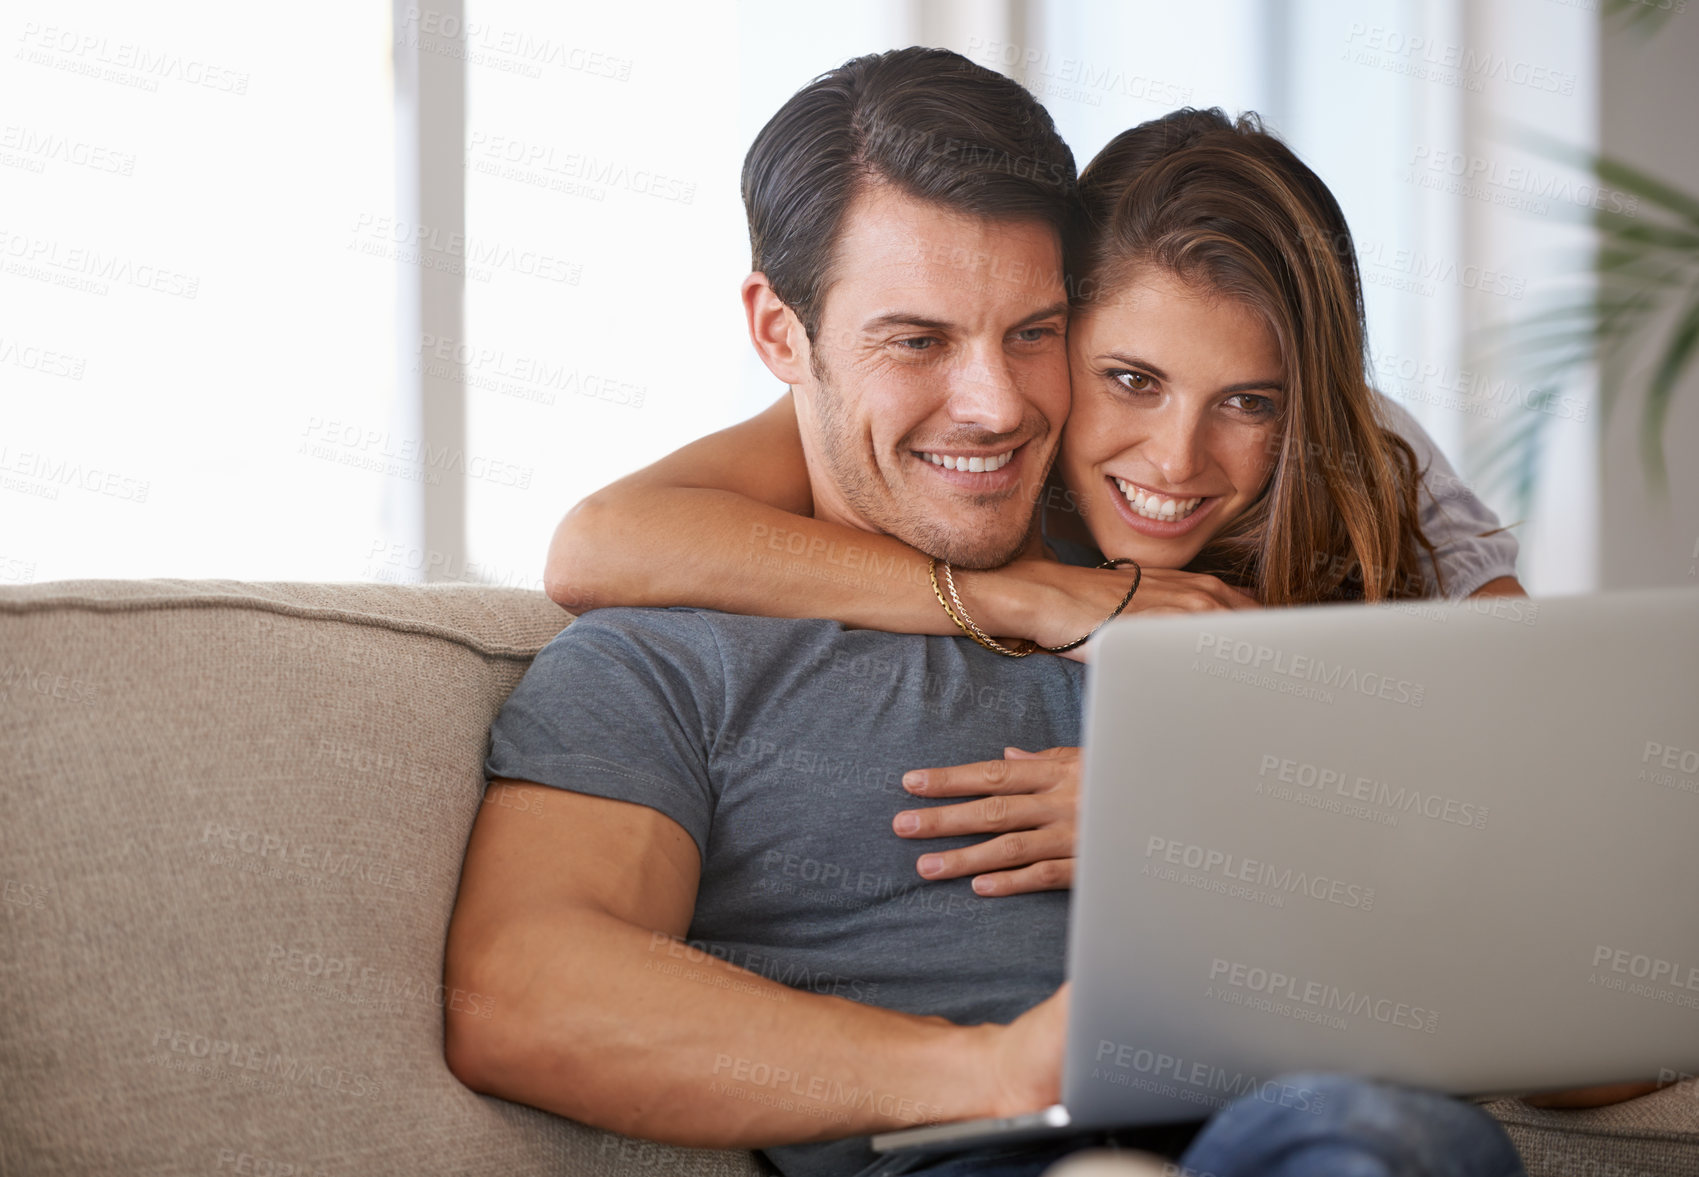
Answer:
(1120, 534)
(1150, 554)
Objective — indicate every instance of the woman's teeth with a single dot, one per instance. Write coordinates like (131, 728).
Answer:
(1154, 506)
(974, 465)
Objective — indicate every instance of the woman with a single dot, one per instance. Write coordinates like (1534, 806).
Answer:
(1223, 435)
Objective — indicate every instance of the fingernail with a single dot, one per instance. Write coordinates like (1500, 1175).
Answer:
(908, 823)
(982, 886)
(914, 780)
(931, 864)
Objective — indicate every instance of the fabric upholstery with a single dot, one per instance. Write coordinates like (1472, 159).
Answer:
(232, 819)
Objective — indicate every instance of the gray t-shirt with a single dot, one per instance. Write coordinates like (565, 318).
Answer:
(780, 746)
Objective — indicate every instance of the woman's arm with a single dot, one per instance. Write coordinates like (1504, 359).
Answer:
(724, 524)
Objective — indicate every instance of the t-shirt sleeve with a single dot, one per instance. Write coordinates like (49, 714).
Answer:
(1453, 518)
(620, 705)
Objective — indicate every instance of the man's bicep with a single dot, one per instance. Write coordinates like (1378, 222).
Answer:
(538, 848)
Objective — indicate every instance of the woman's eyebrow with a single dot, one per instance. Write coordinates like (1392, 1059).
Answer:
(1241, 386)
(1134, 362)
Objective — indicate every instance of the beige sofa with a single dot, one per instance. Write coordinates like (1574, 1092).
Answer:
(231, 824)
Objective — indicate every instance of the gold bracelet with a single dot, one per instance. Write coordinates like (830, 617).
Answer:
(1138, 575)
(932, 575)
(964, 622)
(974, 632)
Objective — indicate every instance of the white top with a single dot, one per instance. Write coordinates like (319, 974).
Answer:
(1451, 515)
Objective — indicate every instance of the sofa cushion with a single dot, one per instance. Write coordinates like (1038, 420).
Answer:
(1655, 1135)
(232, 818)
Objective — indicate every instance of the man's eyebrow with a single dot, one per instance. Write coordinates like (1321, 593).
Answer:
(926, 323)
(1049, 312)
(1145, 365)
(905, 319)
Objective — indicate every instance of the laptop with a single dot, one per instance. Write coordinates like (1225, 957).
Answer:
(1450, 845)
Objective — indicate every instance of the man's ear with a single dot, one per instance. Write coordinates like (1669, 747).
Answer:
(775, 331)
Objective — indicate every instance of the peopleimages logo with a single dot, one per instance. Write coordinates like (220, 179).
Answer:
(1258, 873)
(1331, 998)
(1303, 668)
(1207, 1076)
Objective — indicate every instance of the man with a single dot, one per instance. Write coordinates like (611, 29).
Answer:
(659, 765)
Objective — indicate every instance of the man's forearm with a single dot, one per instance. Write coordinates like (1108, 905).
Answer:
(634, 1031)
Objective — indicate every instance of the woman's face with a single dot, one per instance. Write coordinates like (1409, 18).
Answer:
(1178, 395)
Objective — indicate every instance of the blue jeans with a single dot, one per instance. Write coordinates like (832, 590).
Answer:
(1358, 1129)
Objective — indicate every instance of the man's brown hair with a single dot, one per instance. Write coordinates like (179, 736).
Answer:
(928, 121)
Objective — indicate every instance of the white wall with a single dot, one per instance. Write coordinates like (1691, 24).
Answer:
(1650, 91)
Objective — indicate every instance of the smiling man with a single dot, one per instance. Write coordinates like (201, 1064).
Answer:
(948, 453)
(679, 942)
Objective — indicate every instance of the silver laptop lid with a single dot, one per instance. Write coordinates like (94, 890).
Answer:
(1452, 845)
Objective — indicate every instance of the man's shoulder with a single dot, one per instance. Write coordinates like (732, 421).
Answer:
(680, 619)
(708, 631)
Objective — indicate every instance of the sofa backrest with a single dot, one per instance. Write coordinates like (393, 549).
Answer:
(232, 818)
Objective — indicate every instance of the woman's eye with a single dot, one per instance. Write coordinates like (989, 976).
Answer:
(1256, 406)
(1133, 381)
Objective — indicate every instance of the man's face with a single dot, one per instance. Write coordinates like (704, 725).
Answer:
(939, 377)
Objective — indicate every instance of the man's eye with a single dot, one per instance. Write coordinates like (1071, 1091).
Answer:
(1133, 381)
(920, 343)
(1032, 334)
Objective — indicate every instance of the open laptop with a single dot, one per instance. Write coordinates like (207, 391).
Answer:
(1454, 845)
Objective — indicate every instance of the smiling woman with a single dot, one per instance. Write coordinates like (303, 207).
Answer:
(1218, 356)
(1178, 410)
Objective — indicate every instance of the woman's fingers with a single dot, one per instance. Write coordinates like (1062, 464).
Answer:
(1167, 590)
(1026, 848)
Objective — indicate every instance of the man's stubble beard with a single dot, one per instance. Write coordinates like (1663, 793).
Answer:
(882, 506)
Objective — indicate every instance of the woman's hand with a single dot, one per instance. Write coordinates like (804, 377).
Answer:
(1030, 799)
(1054, 603)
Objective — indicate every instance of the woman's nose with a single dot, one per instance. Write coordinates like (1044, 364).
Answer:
(1176, 447)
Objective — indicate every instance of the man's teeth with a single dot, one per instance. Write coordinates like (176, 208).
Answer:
(1153, 506)
(974, 465)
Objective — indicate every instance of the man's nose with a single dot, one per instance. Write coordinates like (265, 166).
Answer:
(985, 393)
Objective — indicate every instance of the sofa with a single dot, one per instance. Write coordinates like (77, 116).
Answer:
(232, 818)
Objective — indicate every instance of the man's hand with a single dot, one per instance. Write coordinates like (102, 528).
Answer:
(1030, 799)
(1026, 1057)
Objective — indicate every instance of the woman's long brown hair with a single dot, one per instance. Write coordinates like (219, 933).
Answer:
(1226, 206)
